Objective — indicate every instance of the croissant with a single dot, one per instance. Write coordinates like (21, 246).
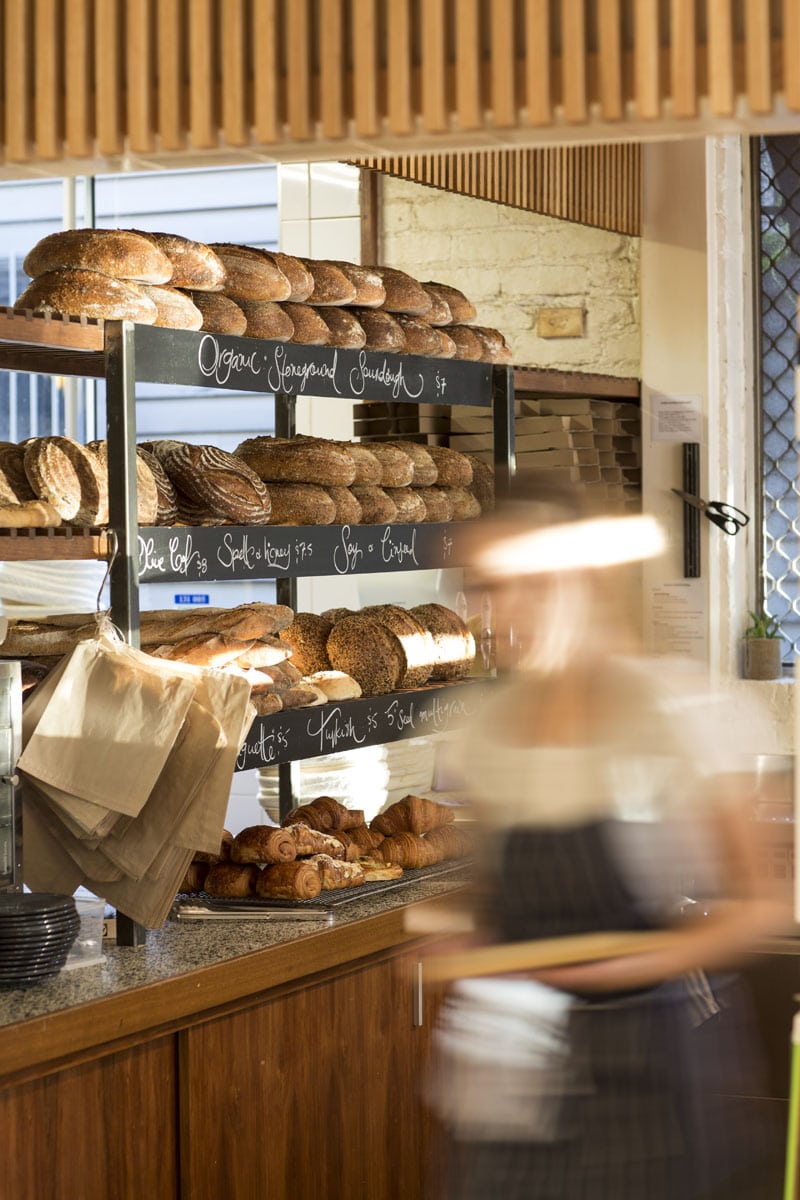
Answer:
(450, 841)
(290, 881)
(231, 880)
(307, 814)
(407, 850)
(312, 841)
(194, 878)
(368, 839)
(412, 814)
(263, 844)
(337, 815)
(337, 874)
(202, 856)
(350, 850)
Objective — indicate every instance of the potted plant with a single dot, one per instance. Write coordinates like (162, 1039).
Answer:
(763, 647)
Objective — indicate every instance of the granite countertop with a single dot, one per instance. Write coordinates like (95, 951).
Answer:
(182, 947)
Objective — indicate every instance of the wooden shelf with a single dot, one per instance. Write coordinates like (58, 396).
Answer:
(52, 545)
(540, 381)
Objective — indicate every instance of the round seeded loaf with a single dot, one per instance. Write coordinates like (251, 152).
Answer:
(362, 647)
(377, 506)
(482, 486)
(368, 469)
(397, 468)
(409, 504)
(419, 651)
(425, 470)
(455, 469)
(86, 293)
(453, 642)
(348, 507)
(120, 253)
(308, 637)
(464, 502)
(437, 504)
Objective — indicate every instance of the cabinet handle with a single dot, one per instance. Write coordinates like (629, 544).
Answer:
(419, 1012)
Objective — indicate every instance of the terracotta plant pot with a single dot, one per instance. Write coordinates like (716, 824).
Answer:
(763, 658)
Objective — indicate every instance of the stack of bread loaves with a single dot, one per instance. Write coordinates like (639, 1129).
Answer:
(164, 279)
(319, 481)
(323, 846)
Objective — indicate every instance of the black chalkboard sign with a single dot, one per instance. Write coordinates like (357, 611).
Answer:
(215, 553)
(349, 724)
(256, 365)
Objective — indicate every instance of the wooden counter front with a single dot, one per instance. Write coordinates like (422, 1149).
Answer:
(289, 1070)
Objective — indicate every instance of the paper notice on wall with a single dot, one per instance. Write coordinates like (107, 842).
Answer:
(674, 418)
(676, 622)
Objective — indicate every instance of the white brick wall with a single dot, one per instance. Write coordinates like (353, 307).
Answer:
(512, 263)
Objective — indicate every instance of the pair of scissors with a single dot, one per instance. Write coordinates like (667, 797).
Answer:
(726, 516)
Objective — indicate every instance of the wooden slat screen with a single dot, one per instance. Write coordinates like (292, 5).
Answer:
(594, 185)
(105, 81)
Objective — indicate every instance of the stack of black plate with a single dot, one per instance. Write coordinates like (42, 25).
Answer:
(37, 930)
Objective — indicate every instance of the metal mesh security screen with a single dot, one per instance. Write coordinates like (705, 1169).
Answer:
(779, 196)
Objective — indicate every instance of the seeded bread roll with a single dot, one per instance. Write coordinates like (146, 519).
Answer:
(300, 278)
(266, 319)
(465, 505)
(218, 481)
(495, 347)
(462, 309)
(370, 292)
(403, 293)
(194, 265)
(482, 486)
(331, 286)
(282, 461)
(421, 338)
(309, 327)
(167, 503)
(454, 644)
(79, 293)
(308, 637)
(251, 274)
(409, 504)
(14, 483)
(362, 647)
(397, 468)
(175, 309)
(382, 330)
(220, 313)
(336, 614)
(425, 470)
(377, 506)
(344, 328)
(468, 345)
(146, 490)
(68, 477)
(119, 253)
(437, 504)
(301, 504)
(455, 469)
(347, 504)
(419, 651)
(439, 313)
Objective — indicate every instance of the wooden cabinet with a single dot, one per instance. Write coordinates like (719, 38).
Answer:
(313, 1094)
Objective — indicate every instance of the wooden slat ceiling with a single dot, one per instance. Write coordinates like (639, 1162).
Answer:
(131, 83)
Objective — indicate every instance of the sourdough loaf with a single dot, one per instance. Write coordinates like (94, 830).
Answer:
(301, 504)
(421, 338)
(331, 286)
(14, 483)
(301, 281)
(404, 294)
(370, 292)
(344, 328)
(218, 481)
(174, 309)
(409, 504)
(468, 345)
(425, 471)
(251, 273)
(167, 503)
(461, 309)
(454, 468)
(464, 503)
(381, 329)
(68, 477)
(377, 506)
(87, 293)
(368, 469)
(280, 461)
(120, 253)
(194, 265)
(482, 486)
(220, 313)
(439, 312)
(308, 327)
(495, 347)
(146, 490)
(347, 505)
(447, 347)
(437, 505)
(397, 468)
(266, 319)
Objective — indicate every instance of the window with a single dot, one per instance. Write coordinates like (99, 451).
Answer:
(778, 183)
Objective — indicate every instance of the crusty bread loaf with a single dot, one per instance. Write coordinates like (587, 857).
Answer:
(468, 344)
(419, 652)
(266, 653)
(482, 486)
(251, 273)
(425, 470)
(331, 286)
(370, 292)
(362, 647)
(347, 505)
(344, 328)
(301, 504)
(87, 293)
(28, 514)
(453, 641)
(301, 281)
(336, 614)
(202, 650)
(218, 481)
(266, 319)
(461, 308)
(308, 327)
(247, 622)
(368, 469)
(146, 490)
(308, 637)
(194, 265)
(381, 329)
(397, 468)
(454, 468)
(421, 338)
(447, 347)
(120, 253)
(68, 477)
(336, 685)
(274, 460)
(266, 703)
(175, 310)
(15, 487)
(220, 313)
(377, 506)
(439, 313)
(495, 346)
(464, 503)
(167, 503)
(409, 504)
(404, 294)
(437, 504)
